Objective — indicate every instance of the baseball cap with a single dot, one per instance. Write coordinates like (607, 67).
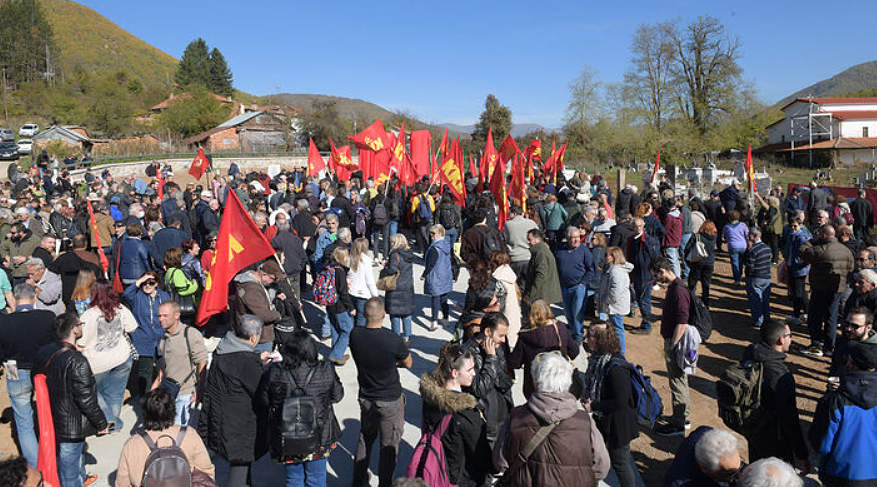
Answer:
(206, 193)
(273, 268)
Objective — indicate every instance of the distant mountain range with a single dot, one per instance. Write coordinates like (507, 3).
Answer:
(518, 129)
(861, 77)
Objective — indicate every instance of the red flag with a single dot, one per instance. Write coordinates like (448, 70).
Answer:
(488, 159)
(508, 149)
(47, 463)
(472, 169)
(239, 244)
(548, 165)
(160, 176)
(443, 146)
(420, 144)
(558, 161)
(373, 138)
(340, 161)
(750, 170)
(655, 170)
(315, 160)
(517, 189)
(498, 188)
(199, 165)
(104, 263)
(451, 175)
(533, 152)
(380, 169)
(402, 162)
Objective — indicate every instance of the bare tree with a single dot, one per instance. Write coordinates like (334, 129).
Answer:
(648, 81)
(705, 65)
(584, 98)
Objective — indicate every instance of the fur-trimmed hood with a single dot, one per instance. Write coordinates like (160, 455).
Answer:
(446, 401)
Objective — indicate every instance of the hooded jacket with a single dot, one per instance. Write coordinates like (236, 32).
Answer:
(614, 296)
(846, 455)
(841, 351)
(672, 221)
(781, 435)
(437, 268)
(467, 451)
(400, 302)
(231, 421)
(553, 463)
(145, 310)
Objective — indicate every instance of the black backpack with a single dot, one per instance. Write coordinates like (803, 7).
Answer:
(738, 393)
(166, 466)
(380, 216)
(448, 217)
(299, 431)
(699, 317)
(490, 242)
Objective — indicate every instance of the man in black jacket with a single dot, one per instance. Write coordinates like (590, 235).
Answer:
(863, 215)
(294, 256)
(781, 435)
(22, 333)
(492, 384)
(73, 398)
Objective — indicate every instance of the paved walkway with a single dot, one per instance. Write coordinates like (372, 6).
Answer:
(424, 349)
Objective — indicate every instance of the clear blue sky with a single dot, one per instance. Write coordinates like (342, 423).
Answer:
(439, 60)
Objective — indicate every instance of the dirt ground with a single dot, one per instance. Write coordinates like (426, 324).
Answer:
(732, 333)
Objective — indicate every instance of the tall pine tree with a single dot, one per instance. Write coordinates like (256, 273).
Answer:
(220, 76)
(496, 116)
(194, 66)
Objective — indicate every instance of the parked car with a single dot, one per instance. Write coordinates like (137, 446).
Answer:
(28, 130)
(25, 146)
(7, 135)
(8, 151)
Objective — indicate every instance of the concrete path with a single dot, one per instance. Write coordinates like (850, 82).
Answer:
(104, 452)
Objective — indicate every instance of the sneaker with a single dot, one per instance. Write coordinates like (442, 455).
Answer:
(342, 361)
(89, 480)
(433, 326)
(687, 425)
(813, 351)
(670, 430)
(641, 331)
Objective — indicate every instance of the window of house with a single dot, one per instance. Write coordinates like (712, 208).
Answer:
(864, 131)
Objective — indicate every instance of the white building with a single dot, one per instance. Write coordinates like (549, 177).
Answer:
(840, 130)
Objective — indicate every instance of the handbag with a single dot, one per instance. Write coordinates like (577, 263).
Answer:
(187, 303)
(698, 251)
(388, 282)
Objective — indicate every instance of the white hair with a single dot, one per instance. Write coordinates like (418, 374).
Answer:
(769, 472)
(249, 326)
(714, 445)
(869, 275)
(35, 262)
(344, 233)
(551, 372)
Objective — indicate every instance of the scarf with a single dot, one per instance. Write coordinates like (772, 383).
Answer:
(594, 376)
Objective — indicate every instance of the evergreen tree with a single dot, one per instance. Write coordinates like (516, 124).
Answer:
(220, 75)
(194, 66)
(496, 116)
(27, 50)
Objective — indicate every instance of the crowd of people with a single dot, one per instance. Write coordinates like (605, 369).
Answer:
(97, 305)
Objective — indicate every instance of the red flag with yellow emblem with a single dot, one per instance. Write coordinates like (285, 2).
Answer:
(315, 160)
(533, 152)
(341, 161)
(508, 149)
(488, 160)
(373, 138)
(238, 245)
(449, 172)
(498, 188)
(199, 165)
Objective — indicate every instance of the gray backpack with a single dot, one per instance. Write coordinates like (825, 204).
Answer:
(166, 466)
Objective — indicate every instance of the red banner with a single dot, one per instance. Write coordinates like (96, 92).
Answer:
(315, 160)
(199, 165)
(420, 142)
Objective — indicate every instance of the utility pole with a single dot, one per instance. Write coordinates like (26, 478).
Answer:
(5, 108)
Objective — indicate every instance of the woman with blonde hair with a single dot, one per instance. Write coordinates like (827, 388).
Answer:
(342, 312)
(543, 335)
(81, 297)
(614, 295)
(362, 278)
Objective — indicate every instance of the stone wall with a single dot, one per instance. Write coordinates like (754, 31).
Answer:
(181, 166)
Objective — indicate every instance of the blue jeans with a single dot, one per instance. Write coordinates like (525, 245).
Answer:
(184, 410)
(111, 390)
(394, 227)
(618, 323)
(672, 253)
(736, 263)
(359, 304)
(758, 290)
(71, 465)
(644, 299)
(403, 322)
(326, 327)
(307, 474)
(574, 309)
(21, 396)
(342, 324)
(451, 235)
(685, 238)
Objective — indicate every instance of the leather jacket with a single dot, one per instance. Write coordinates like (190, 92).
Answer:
(72, 392)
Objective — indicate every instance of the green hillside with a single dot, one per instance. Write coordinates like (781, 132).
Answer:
(350, 108)
(90, 42)
(861, 78)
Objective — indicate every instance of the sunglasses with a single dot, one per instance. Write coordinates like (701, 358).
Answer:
(150, 282)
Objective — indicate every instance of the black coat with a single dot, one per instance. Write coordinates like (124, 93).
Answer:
(533, 341)
(231, 424)
(24, 333)
(324, 385)
(401, 301)
(616, 410)
(72, 392)
(709, 241)
(491, 386)
(781, 435)
(294, 256)
(863, 213)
